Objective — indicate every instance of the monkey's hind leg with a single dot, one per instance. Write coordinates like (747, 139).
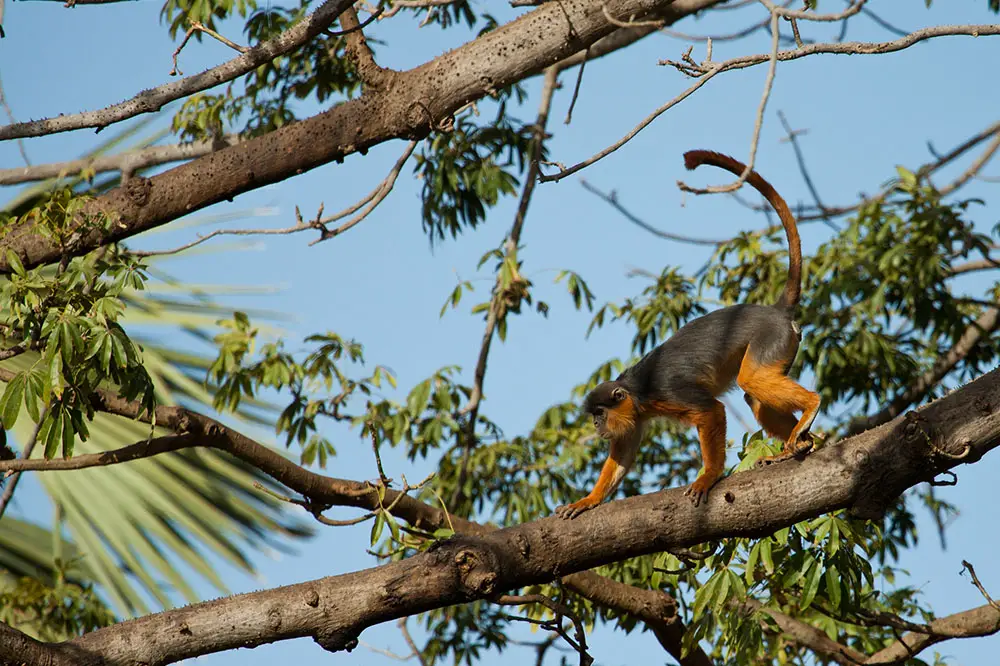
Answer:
(774, 396)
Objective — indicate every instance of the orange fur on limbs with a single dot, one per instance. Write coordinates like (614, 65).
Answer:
(752, 346)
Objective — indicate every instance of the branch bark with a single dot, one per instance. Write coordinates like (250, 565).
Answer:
(864, 474)
(407, 104)
(981, 621)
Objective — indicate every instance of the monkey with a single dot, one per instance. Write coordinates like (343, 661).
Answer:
(749, 345)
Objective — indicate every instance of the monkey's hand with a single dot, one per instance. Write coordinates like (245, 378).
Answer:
(698, 490)
(571, 511)
(798, 449)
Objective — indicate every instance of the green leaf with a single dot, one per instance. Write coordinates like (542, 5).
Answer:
(15, 263)
(10, 403)
(53, 433)
(765, 555)
(68, 436)
(833, 586)
(377, 525)
(811, 585)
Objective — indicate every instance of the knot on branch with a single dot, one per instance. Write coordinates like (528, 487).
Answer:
(476, 573)
(137, 190)
(476, 565)
(419, 120)
(335, 640)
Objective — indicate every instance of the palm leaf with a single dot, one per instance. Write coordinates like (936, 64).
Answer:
(142, 529)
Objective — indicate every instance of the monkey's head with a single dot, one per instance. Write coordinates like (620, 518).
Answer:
(614, 410)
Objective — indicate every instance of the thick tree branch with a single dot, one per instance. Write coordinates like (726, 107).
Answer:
(155, 99)
(981, 621)
(864, 474)
(406, 105)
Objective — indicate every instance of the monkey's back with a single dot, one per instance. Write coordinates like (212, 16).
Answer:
(707, 351)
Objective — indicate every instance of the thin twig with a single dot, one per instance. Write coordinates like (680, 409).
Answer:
(612, 199)
(559, 611)
(709, 70)
(758, 121)
(8, 492)
(10, 116)
(638, 128)
(127, 161)
(576, 89)
(979, 586)
(410, 642)
(198, 26)
(471, 409)
(374, 198)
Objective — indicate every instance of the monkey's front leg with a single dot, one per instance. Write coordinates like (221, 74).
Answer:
(711, 424)
(619, 461)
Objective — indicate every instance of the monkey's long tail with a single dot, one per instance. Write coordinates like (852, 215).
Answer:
(793, 285)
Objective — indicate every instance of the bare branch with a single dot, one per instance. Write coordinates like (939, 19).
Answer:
(498, 309)
(155, 99)
(978, 265)
(409, 641)
(979, 586)
(374, 198)
(758, 122)
(981, 621)
(8, 492)
(709, 70)
(559, 611)
(705, 78)
(417, 103)
(514, 237)
(974, 168)
(612, 198)
(370, 202)
(197, 26)
(126, 162)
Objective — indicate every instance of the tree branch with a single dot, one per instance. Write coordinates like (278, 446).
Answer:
(809, 636)
(155, 99)
(410, 105)
(126, 162)
(981, 621)
(864, 474)
(985, 325)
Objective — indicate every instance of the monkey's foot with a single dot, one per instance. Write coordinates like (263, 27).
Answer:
(571, 511)
(798, 450)
(698, 490)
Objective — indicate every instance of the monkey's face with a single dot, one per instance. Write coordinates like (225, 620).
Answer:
(613, 410)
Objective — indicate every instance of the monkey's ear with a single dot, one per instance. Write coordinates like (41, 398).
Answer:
(619, 394)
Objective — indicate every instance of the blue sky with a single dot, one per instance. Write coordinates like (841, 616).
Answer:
(382, 284)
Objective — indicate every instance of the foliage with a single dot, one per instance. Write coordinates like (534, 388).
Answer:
(54, 611)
